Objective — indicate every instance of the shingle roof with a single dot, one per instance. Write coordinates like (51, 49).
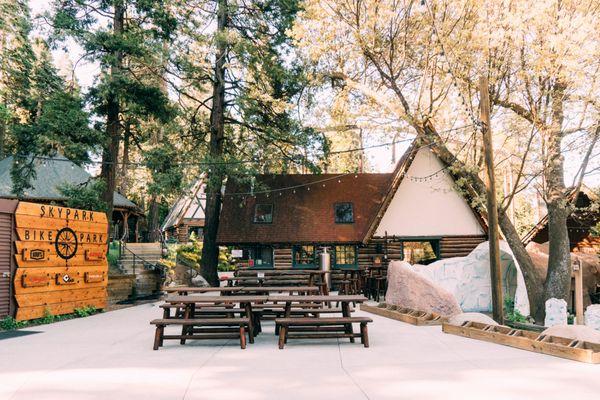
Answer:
(303, 216)
(51, 173)
(189, 206)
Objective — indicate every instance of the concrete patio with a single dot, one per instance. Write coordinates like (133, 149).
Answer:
(109, 356)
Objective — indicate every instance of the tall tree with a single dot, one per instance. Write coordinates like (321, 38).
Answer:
(239, 81)
(121, 36)
(424, 77)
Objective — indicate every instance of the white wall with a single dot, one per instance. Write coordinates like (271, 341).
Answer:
(431, 208)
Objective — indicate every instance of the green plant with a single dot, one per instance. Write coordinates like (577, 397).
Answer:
(85, 311)
(48, 318)
(510, 313)
(9, 324)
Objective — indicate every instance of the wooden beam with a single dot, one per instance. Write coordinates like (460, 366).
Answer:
(492, 205)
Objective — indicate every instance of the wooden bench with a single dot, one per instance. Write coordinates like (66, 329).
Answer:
(305, 312)
(201, 311)
(322, 328)
(217, 328)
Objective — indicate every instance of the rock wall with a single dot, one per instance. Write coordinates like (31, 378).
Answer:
(468, 279)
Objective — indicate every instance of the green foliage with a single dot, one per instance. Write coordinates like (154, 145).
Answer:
(87, 196)
(191, 253)
(85, 311)
(512, 314)
(9, 323)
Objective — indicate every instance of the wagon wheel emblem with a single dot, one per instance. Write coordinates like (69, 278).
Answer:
(66, 243)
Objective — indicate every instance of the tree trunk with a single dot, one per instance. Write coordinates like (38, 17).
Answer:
(153, 222)
(533, 281)
(110, 154)
(124, 179)
(215, 174)
(558, 279)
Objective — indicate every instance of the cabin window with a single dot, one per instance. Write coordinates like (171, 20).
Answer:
(345, 257)
(344, 213)
(260, 257)
(263, 214)
(304, 256)
(420, 252)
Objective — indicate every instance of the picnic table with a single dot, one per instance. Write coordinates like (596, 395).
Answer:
(192, 302)
(184, 290)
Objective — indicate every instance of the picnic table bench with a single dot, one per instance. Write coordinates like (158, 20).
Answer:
(312, 327)
(217, 328)
(316, 328)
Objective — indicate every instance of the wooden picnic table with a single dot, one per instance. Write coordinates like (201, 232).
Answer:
(191, 302)
(345, 300)
(270, 289)
(183, 290)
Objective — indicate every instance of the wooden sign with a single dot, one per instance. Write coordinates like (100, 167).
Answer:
(96, 276)
(65, 279)
(94, 255)
(61, 259)
(35, 280)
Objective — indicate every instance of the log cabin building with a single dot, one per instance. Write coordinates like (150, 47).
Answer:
(580, 224)
(414, 213)
(186, 217)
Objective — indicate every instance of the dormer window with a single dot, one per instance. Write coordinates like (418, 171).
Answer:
(263, 214)
(344, 213)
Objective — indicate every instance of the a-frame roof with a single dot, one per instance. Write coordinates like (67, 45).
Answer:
(400, 172)
(187, 207)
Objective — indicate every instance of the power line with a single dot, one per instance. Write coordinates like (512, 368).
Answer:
(233, 162)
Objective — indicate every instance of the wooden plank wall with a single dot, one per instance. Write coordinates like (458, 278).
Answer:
(6, 230)
(51, 277)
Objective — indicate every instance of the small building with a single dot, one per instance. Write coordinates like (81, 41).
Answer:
(187, 215)
(53, 172)
(580, 224)
(414, 213)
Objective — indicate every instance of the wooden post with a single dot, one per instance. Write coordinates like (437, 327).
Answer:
(492, 206)
(578, 272)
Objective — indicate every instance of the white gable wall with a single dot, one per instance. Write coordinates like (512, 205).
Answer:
(431, 208)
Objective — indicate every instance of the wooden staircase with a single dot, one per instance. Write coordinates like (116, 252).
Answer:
(134, 253)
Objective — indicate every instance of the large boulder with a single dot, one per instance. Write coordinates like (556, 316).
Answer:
(459, 319)
(468, 279)
(556, 312)
(578, 332)
(592, 316)
(407, 288)
(590, 264)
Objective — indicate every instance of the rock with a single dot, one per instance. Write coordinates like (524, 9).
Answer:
(199, 281)
(579, 332)
(407, 288)
(468, 278)
(592, 316)
(590, 264)
(458, 319)
(556, 312)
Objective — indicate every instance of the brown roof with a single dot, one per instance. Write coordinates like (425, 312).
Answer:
(301, 215)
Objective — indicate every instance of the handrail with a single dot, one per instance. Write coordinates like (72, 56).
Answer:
(153, 265)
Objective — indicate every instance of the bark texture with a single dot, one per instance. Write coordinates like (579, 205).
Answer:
(110, 154)
(215, 175)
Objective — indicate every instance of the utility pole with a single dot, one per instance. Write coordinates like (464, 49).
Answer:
(492, 206)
